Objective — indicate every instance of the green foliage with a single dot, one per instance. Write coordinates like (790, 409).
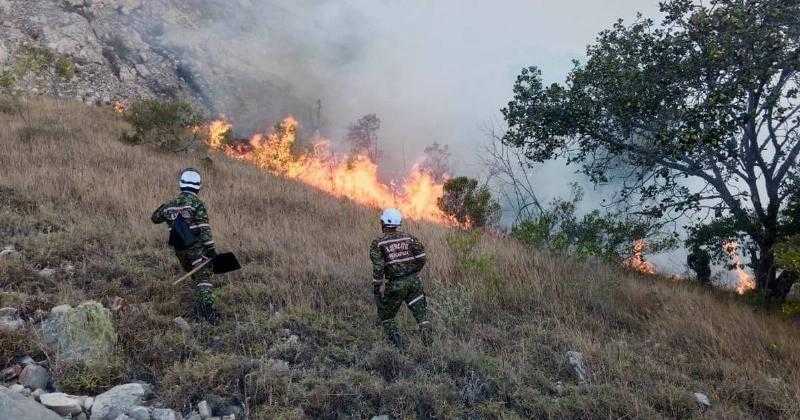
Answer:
(558, 227)
(33, 59)
(7, 79)
(468, 203)
(80, 379)
(474, 264)
(709, 90)
(11, 105)
(65, 67)
(168, 125)
(787, 254)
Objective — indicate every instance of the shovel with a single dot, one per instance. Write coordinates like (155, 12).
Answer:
(222, 263)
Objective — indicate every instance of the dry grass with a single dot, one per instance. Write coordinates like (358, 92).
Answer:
(505, 316)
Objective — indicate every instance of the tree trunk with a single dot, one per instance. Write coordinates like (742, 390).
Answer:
(765, 268)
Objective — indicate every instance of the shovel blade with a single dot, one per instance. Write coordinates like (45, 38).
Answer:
(225, 263)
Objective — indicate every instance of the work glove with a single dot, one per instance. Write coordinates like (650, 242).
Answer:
(210, 252)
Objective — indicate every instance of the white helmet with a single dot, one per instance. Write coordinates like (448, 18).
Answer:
(391, 218)
(190, 179)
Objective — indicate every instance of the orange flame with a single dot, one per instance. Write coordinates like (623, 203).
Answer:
(637, 261)
(744, 281)
(120, 107)
(354, 177)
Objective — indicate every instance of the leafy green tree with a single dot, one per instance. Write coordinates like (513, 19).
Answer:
(608, 236)
(469, 203)
(695, 113)
(169, 125)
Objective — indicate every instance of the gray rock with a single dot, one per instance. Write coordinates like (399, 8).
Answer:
(85, 333)
(10, 373)
(163, 414)
(229, 417)
(34, 376)
(119, 399)
(10, 320)
(81, 416)
(37, 393)
(15, 406)
(577, 365)
(19, 389)
(123, 417)
(46, 273)
(194, 416)
(381, 417)
(204, 409)
(139, 413)
(702, 400)
(183, 325)
(88, 402)
(9, 251)
(794, 293)
(61, 403)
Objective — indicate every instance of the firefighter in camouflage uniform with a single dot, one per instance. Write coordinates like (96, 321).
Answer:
(190, 237)
(397, 259)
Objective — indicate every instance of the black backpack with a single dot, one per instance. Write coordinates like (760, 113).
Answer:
(180, 236)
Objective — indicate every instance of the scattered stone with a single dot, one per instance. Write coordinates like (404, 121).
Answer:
(229, 417)
(123, 417)
(702, 401)
(204, 409)
(10, 320)
(37, 393)
(381, 417)
(194, 416)
(117, 304)
(183, 325)
(164, 414)
(46, 273)
(794, 293)
(9, 373)
(85, 333)
(27, 360)
(293, 339)
(559, 388)
(19, 389)
(15, 406)
(577, 365)
(34, 376)
(120, 398)
(10, 253)
(139, 413)
(61, 403)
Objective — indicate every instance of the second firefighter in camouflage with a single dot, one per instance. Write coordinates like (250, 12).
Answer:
(397, 259)
(190, 236)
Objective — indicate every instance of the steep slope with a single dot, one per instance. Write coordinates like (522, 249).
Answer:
(505, 316)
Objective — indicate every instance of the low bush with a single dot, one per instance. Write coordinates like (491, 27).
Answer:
(168, 125)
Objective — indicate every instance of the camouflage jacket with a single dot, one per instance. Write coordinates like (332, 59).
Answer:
(396, 254)
(192, 209)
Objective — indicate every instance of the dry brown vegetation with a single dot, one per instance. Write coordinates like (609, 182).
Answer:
(504, 315)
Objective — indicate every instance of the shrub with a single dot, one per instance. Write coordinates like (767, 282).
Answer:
(7, 79)
(65, 67)
(33, 59)
(80, 379)
(47, 128)
(168, 125)
(9, 104)
(468, 203)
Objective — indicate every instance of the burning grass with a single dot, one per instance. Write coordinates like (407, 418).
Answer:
(504, 315)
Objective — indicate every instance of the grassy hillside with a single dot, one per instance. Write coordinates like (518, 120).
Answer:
(71, 194)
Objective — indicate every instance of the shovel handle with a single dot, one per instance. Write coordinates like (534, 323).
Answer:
(194, 270)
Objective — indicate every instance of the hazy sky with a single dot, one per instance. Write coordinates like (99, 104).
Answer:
(439, 70)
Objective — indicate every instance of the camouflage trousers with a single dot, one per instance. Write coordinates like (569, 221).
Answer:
(403, 289)
(203, 300)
